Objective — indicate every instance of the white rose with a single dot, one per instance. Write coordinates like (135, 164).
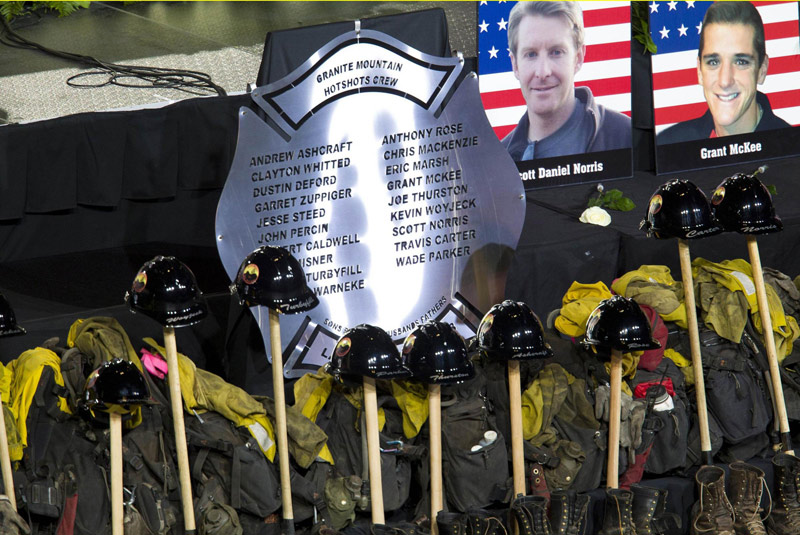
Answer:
(596, 216)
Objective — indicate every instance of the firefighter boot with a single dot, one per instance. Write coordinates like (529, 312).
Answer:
(649, 511)
(713, 513)
(530, 513)
(483, 522)
(399, 528)
(785, 516)
(568, 511)
(451, 523)
(746, 488)
(618, 519)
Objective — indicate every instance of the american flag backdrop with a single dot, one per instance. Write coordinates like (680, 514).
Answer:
(606, 69)
(675, 29)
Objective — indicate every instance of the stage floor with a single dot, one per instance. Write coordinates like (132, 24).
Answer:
(222, 39)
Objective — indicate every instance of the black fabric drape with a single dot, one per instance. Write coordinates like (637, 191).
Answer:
(206, 141)
(100, 151)
(150, 163)
(285, 50)
(100, 159)
(13, 163)
(51, 167)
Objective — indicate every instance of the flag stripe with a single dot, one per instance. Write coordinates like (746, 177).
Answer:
(776, 11)
(613, 33)
(782, 99)
(601, 17)
(590, 6)
(606, 51)
(779, 30)
(505, 116)
(770, 3)
(612, 68)
(502, 131)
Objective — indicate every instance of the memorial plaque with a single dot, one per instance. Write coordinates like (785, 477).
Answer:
(378, 170)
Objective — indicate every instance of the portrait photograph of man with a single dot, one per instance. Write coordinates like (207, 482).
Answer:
(555, 76)
(724, 69)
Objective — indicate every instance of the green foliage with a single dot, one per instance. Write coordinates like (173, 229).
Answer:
(640, 17)
(772, 189)
(10, 10)
(612, 199)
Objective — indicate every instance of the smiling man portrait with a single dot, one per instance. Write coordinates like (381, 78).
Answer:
(546, 45)
(731, 63)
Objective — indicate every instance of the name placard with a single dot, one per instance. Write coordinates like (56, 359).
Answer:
(379, 171)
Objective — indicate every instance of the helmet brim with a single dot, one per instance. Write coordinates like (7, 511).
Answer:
(297, 305)
(453, 378)
(774, 225)
(13, 331)
(518, 354)
(185, 317)
(627, 348)
(703, 232)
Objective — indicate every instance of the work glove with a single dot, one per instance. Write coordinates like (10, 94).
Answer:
(602, 404)
(632, 413)
(630, 432)
(638, 413)
(602, 401)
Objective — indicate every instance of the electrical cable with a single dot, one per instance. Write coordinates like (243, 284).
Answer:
(135, 76)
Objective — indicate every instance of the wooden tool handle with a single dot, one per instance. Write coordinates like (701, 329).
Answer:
(694, 340)
(117, 499)
(515, 414)
(614, 415)
(435, 428)
(373, 451)
(5, 461)
(769, 341)
(176, 402)
(281, 435)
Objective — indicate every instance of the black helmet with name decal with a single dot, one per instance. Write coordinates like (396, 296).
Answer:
(620, 323)
(679, 209)
(165, 289)
(366, 351)
(741, 203)
(511, 331)
(436, 354)
(270, 276)
(116, 386)
(8, 320)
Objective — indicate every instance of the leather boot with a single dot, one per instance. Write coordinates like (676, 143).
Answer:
(650, 515)
(746, 488)
(785, 516)
(399, 528)
(713, 513)
(618, 513)
(483, 522)
(568, 512)
(531, 515)
(451, 523)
